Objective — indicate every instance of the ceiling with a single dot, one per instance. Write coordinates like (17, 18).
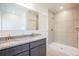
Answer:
(55, 7)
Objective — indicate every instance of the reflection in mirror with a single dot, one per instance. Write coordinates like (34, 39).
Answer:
(12, 16)
(32, 20)
(16, 17)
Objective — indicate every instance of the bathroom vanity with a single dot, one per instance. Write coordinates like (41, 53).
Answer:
(14, 34)
(24, 47)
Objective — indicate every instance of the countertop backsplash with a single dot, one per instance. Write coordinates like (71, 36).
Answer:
(14, 33)
(6, 33)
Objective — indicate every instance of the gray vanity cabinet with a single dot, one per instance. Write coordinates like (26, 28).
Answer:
(38, 48)
(35, 48)
(39, 51)
(15, 50)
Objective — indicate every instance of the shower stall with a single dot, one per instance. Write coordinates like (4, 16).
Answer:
(63, 34)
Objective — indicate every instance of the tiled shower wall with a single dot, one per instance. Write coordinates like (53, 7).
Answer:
(65, 27)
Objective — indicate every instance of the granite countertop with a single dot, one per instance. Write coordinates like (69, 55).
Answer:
(18, 41)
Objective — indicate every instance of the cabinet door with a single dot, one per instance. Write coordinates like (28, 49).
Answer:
(42, 50)
(35, 51)
(25, 53)
(39, 51)
(14, 50)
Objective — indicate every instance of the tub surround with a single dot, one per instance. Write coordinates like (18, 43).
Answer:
(18, 40)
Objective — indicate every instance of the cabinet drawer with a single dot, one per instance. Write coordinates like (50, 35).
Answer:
(14, 50)
(37, 43)
(25, 53)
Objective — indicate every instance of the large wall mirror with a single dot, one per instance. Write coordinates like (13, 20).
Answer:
(16, 17)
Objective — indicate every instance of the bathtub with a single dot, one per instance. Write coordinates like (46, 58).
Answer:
(57, 49)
